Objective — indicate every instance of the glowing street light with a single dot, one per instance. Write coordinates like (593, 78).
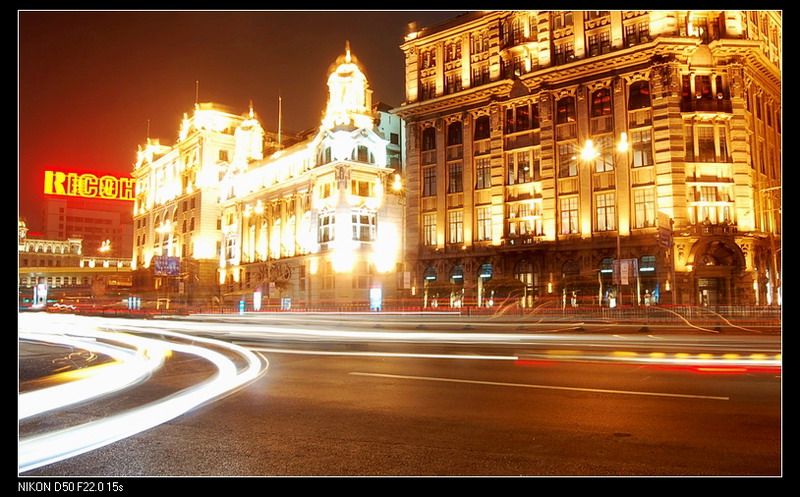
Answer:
(589, 153)
(397, 185)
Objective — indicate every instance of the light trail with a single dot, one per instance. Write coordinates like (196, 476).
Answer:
(52, 447)
(390, 354)
(542, 387)
(39, 451)
(691, 350)
(130, 366)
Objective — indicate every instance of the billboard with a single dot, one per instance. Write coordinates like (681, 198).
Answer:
(167, 265)
(89, 185)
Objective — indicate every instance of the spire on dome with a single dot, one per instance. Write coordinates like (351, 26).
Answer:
(349, 96)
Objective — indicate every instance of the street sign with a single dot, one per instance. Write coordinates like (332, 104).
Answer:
(664, 230)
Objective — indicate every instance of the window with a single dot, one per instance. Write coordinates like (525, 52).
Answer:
(479, 43)
(480, 74)
(429, 229)
(364, 226)
(483, 174)
(599, 43)
(710, 207)
(522, 118)
(483, 217)
(705, 144)
(524, 219)
(642, 148)
(455, 221)
(429, 139)
(362, 154)
(457, 275)
(452, 50)
(565, 110)
(723, 146)
(601, 103)
(562, 19)
(455, 174)
(569, 215)
(523, 163)
(567, 160)
(361, 188)
(428, 181)
(454, 134)
(427, 89)
(647, 264)
(428, 58)
(605, 212)
(563, 53)
(482, 130)
(452, 83)
(325, 229)
(639, 95)
(644, 208)
(605, 148)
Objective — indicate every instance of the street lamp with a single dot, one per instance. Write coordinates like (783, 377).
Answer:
(105, 247)
(589, 154)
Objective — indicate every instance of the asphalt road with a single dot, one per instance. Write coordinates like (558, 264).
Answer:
(355, 414)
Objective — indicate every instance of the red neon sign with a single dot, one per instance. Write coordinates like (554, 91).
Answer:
(89, 185)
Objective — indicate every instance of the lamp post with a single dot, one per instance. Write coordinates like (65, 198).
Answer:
(399, 189)
(589, 154)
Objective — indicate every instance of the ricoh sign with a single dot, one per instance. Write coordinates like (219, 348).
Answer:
(89, 185)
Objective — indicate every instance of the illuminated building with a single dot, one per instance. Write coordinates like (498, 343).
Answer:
(319, 222)
(176, 212)
(94, 221)
(596, 152)
(59, 270)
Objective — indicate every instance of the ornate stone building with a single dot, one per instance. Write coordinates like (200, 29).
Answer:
(600, 153)
(176, 210)
(319, 222)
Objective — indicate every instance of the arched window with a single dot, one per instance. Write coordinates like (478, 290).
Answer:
(601, 103)
(482, 128)
(429, 139)
(565, 110)
(454, 134)
(639, 95)
(457, 275)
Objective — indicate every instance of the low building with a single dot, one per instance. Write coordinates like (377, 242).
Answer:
(58, 271)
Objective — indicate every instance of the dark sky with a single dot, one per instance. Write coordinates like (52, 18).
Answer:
(89, 82)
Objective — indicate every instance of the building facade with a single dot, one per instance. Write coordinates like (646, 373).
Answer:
(319, 224)
(615, 156)
(101, 224)
(58, 270)
(176, 213)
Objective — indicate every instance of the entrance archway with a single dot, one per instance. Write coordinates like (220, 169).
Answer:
(717, 264)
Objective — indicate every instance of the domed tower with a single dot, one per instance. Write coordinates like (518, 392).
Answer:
(349, 95)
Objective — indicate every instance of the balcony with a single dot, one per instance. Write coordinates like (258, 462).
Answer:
(526, 139)
(455, 152)
(428, 157)
(706, 105)
(566, 131)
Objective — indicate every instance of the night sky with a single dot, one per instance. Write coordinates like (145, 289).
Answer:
(91, 84)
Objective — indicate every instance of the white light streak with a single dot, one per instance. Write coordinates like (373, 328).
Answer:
(46, 449)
